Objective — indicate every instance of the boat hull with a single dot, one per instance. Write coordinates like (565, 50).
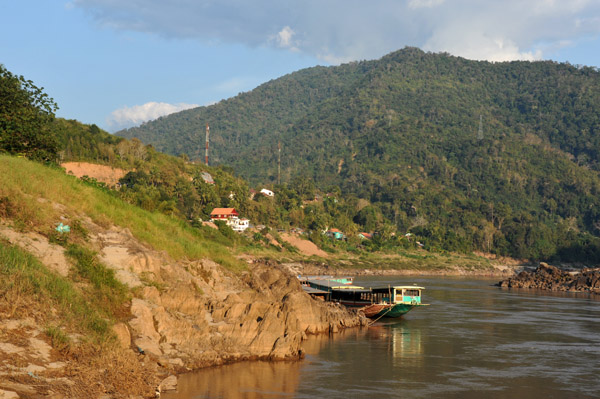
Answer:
(386, 310)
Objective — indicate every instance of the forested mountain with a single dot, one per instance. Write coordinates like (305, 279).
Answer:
(367, 109)
(502, 157)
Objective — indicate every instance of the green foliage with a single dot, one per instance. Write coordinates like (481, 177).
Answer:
(58, 238)
(177, 188)
(402, 135)
(59, 339)
(79, 142)
(225, 230)
(26, 114)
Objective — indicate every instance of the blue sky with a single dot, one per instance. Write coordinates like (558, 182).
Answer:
(117, 63)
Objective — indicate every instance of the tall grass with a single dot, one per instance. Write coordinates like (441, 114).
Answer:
(108, 293)
(23, 277)
(25, 186)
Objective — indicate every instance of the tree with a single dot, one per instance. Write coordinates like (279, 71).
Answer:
(26, 114)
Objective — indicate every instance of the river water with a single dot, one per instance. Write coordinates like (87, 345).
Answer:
(474, 341)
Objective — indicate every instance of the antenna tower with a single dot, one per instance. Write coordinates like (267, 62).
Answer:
(206, 153)
(279, 163)
(480, 132)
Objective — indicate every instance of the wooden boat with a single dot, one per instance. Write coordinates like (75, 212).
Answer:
(391, 301)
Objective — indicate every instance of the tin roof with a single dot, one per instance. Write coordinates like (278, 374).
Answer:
(224, 211)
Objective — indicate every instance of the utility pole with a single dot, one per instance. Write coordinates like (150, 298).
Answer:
(206, 153)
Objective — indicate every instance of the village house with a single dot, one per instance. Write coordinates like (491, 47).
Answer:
(231, 218)
(223, 214)
(267, 193)
(365, 236)
(208, 179)
(336, 234)
(238, 224)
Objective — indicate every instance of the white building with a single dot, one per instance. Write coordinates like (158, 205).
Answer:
(266, 192)
(238, 224)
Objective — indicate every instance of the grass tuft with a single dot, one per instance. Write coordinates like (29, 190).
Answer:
(60, 340)
(109, 293)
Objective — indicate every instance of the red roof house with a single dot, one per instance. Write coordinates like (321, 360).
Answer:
(223, 213)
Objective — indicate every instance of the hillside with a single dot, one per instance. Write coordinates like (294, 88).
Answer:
(128, 297)
(498, 157)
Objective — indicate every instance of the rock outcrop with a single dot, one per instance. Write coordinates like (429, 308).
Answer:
(192, 314)
(546, 277)
(205, 317)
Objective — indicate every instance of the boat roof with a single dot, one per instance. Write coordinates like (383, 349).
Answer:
(396, 287)
(327, 283)
(332, 284)
(335, 285)
(311, 290)
(320, 278)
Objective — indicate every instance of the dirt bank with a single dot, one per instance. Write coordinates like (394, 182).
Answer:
(102, 173)
(305, 247)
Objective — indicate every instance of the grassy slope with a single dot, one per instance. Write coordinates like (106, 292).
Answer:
(76, 312)
(27, 191)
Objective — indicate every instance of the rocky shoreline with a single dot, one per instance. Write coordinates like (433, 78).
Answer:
(547, 277)
(183, 316)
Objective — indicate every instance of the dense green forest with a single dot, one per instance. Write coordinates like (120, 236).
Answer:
(466, 155)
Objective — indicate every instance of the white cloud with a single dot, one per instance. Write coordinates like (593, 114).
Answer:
(343, 30)
(285, 38)
(478, 45)
(131, 116)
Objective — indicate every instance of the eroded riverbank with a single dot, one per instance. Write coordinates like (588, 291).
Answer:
(475, 340)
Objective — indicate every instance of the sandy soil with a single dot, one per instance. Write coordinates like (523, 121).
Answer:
(51, 255)
(102, 173)
(304, 246)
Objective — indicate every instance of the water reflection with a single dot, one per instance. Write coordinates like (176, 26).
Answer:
(403, 342)
(248, 380)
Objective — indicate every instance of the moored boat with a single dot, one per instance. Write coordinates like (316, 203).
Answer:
(391, 301)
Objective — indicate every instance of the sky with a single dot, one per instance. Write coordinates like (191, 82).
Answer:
(118, 63)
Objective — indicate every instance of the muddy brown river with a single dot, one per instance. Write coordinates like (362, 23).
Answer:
(474, 341)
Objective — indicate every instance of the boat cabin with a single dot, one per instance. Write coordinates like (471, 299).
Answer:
(407, 294)
(352, 295)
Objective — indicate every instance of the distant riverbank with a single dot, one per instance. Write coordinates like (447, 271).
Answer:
(320, 268)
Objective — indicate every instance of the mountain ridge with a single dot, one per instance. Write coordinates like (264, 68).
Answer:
(404, 133)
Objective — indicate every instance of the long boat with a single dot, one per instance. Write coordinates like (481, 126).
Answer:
(391, 301)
